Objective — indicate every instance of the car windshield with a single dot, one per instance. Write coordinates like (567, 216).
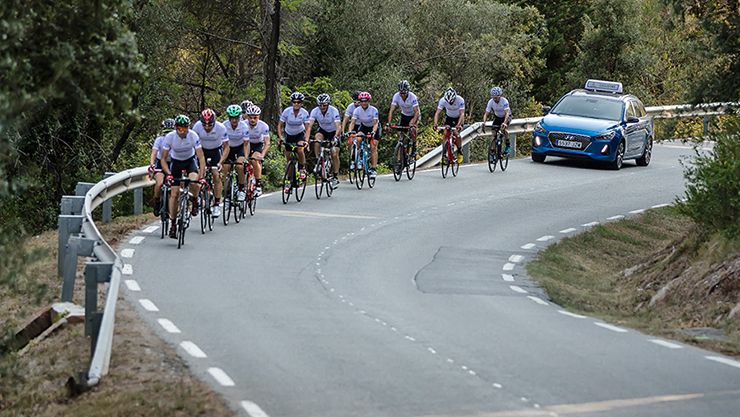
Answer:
(589, 106)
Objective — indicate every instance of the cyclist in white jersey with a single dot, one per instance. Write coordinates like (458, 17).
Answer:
(292, 126)
(258, 145)
(365, 118)
(328, 119)
(350, 109)
(236, 130)
(499, 106)
(454, 107)
(410, 114)
(183, 145)
(213, 136)
(245, 105)
(155, 164)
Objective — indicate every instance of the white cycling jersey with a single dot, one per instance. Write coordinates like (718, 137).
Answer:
(236, 136)
(213, 139)
(295, 124)
(498, 109)
(157, 145)
(365, 117)
(452, 109)
(407, 106)
(350, 109)
(181, 149)
(258, 133)
(327, 120)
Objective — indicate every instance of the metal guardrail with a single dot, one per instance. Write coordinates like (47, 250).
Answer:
(524, 125)
(79, 236)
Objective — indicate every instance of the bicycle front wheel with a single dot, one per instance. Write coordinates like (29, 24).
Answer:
(492, 156)
(318, 181)
(410, 167)
(204, 210)
(503, 160)
(454, 163)
(445, 162)
(164, 212)
(287, 186)
(398, 162)
(300, 189)
(327, 174)
(226, 212)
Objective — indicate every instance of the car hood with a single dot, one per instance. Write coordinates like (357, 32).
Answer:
(574, 124)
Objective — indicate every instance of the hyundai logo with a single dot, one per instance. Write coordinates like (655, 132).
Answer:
(569, 137)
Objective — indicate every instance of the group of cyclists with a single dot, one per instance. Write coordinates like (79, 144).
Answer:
(243, 138)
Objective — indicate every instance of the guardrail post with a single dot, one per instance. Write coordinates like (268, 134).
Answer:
(706, 126)
(82, 188)
(138, 201)
(68, 224)
(95, 272)
(466, 153)
(512, 142)
(77, 246)
(108, 204)
(71, 204)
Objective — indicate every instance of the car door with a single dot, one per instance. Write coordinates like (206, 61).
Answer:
(633, 134)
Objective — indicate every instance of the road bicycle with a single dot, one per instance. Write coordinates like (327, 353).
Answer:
(404, 154)
(449, 158)
(292, 183)
(164, 210)
(323, 171)
(495, 155)
(231, 196)
(206, 200)
(360, 152)
(183, 205)
(251, 185)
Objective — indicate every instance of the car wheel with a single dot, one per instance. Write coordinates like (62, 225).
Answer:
(616, 164)
(644, 160)
(538, 157)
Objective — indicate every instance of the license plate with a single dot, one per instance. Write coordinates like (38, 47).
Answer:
(569, 144)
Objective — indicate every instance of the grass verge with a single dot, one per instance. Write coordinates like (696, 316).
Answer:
(656, 272)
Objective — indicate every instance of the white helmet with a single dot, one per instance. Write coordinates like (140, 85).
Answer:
(450, 95)
(496, 91)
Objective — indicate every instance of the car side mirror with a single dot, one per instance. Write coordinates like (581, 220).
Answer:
(632, 119)
(545, 110)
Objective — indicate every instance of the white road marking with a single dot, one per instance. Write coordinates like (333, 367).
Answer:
(432, 351)
(545, 238)
(528, 246)
(394, 329)
(509, 266)
(253, 409)
(638, 211)
(168, 325)
(296, 213)
(725, 361)
(449, 360)
(610, 327)
(538, 300)
(507, 277)
(127, 269)
(327, 248)
(518, 289)
(377, 320)
(127, 253)
(663, 343)
(351, 304)
(472, 372)
(497, 385)
(617, 217)
(148, 305)
(660, 206)
(464, 368)
(590, 224)
(410, 338)
(516, 258)
(568, 313)
(220, 376)
(568, 230)
(132, 285)
(150, 229)
(136, 240)
(192, 349)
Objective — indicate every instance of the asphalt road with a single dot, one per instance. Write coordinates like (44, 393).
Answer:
(411, 299)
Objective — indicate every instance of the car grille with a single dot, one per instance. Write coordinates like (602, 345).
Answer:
(570, 137)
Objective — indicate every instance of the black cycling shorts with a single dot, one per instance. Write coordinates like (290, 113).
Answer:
(405, 120)
(214, 155)
(177, 166)
(451, 121)
(256, 147)
(327, 135)
(294, 139)
(367, 130)
(235, 153)
(498, 121)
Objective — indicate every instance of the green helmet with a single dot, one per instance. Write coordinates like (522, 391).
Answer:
(182, 120)
(234, 110)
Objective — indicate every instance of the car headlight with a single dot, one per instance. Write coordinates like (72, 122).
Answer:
(605, 136)
(539, 129)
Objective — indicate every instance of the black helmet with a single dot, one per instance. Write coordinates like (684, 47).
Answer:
(355, 95)
(404, 86)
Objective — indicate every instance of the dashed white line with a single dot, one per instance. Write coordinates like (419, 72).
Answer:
(394, 329)
(638, 211)
(136, 240)
(150, 229)
(617, 217)
(590, 224)
(132, 285)
(148, 305)
(253, 409)
(192, 349)
(568, 230)
(725, 361)
(518, 289)
(660, 206)
(168, 325)
(509, 266)
(610, 327)
(127, 253)
(538, 300)
(432, 351)
(568, 313)
(464, 368)
(516, 258)
(507, 277)
(450, 360)
(528, 246)
(663, 343)
(127, 269)
(497, 385)
(409, 338)
(472, 372)
(220, 376)
(545, 238)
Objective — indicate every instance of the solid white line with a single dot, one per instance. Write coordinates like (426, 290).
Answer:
(516, 258)
(168, 325)
(192, 349)
(660, 206)
(150, 229)
(132, 285)
(666, 344)
(725, 361)
(617, 217)
(518, 289)
(221, 377)
(590, 224)
(538, 300)
(528, 246)
(545, 238)
(568, 230)
(253, 409)
(136, 240)
(127, 253)
(638, 211)
(568, 313)
(610, 327)
(507, 277)
(509, 266)
(148, 305)
(127, 269)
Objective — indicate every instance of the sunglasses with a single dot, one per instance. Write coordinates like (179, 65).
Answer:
(209, 124)
(323, 105)
(297, 102)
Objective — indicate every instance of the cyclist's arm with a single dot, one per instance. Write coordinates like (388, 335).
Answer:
(201, 162)
(345, 120)
(245, 145)
(338, 127)
(352, 125)
(165, 165)
(225, 153)
(153, 157)
(280, 130)
(436, 118)
(505, 123)
(376, 122)
(265, 148)
(309, 126)
(390, 112)
(417, 117)
(462, 119)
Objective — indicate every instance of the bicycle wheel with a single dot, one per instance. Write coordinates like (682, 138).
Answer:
(318, 181)
(327, 174)
(300, 187)
(398, 161)
(287, 182)
(503, 159)
(211, 203)
(204, 209)
(164, 212)
(238, 208)
(226, 212)
(445, 162)
(251, 200)
(349, 171)
(492, 156)
(181, 222)
(410, 167)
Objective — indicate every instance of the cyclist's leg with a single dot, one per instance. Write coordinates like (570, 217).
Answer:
(215, 156)
(317, 148)
(406, 121)
(256, 164)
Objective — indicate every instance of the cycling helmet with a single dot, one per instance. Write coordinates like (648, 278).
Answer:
(404, 86)
(182, 120)
(323, 99)
(450, 95)
(168, 124)
(245, 104)
(355, 95)
(364, 96)
(496, 91)
(297, 96)
(253, 110)
(207, 116)
(234, 110)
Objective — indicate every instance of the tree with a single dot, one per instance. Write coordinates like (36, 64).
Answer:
(270, 42)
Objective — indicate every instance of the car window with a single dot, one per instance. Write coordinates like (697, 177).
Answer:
(641, 109)
(589, 106)
(631, 110)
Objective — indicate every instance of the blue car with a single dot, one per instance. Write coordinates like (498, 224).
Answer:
(598, 123)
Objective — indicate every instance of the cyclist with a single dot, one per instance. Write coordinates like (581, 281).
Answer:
(365, 118)
(155, 164)
(292, 125)
(501, 114)
(350, 109)
(454, 107)
(259, 143)
(212, 135)
(236, 130)
(245, 105)
(328, 118)
(410, 113)
(184, 146)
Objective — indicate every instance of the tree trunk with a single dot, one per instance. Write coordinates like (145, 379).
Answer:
(270, 39)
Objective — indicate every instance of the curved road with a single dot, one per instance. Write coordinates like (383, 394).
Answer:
(411, 299)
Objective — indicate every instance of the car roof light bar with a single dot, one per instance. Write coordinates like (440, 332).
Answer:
(604, 86)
